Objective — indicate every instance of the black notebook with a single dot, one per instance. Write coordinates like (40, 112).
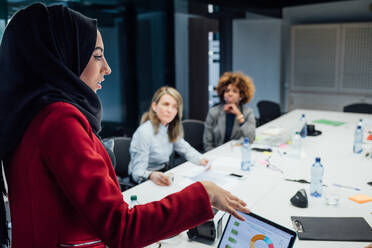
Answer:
(332, 228)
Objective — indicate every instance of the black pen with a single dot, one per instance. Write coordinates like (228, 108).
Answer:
(301, 181)
(262, 149)
(297, 181)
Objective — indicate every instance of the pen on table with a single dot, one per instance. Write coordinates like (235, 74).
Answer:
(271, 166)
(346, 187)
(297, 180)
(301, 181)
(261, 149)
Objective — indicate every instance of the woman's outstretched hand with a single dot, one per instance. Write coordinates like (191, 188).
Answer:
(224, 200)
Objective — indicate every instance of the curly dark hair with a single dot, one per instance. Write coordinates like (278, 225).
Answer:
(242, 82)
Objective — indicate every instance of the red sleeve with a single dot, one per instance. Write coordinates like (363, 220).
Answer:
(69, 152)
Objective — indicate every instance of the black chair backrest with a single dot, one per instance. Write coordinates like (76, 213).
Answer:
(363, 108)
(121, 151)
(193, 131)
(268, 111)
(112, 129)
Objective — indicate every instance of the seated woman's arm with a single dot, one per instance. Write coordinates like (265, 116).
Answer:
(208, 132)
(139, 153)
(248, 128)
(187, 151)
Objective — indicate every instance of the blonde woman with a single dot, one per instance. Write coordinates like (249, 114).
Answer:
(159, 134)
(231, 119)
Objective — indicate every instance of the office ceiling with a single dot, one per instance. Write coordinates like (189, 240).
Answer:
(262, 4)
(265, 7)
(221, 7)
(236, 3)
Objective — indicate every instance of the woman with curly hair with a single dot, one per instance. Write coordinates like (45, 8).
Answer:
(230, 119)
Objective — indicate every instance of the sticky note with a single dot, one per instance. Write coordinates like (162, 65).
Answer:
(263, 162)
(361, 198)
(283, 146)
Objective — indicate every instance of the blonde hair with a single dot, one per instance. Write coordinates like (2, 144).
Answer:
(174, 127)
(239, 80)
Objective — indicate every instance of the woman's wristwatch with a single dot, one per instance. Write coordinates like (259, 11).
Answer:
(240, 118)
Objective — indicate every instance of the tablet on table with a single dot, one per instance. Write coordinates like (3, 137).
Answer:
(255, 232)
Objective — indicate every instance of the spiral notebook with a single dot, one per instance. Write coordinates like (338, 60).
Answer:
(332, 228)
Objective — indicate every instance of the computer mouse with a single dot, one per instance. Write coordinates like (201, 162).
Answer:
(300, 199)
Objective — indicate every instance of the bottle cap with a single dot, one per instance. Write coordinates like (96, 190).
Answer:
(298, 133)
(359, 127)
(133, 198)
(303, 115)
(246, 140)
(317, 159)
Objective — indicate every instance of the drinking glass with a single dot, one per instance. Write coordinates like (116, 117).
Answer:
(332, 195)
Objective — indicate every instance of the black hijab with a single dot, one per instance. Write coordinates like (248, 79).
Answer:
(42, 54)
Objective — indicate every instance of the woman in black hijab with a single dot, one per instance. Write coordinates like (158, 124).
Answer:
(62, 187)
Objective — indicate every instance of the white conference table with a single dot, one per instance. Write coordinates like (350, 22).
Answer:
(267, 193)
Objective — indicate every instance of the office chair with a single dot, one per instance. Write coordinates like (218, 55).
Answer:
(268, 111)
(112, 129)
(363, 108)
(193, 133)
(122, 155)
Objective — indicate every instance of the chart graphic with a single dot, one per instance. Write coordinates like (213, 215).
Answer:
(262, 237)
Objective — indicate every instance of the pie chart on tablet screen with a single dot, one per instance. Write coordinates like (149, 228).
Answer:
(261, 237)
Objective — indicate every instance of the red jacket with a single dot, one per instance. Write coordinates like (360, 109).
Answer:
(63, 190)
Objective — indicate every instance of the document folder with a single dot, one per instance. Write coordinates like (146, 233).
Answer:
(332, 228)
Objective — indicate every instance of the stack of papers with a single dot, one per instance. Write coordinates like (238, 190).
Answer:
(274, 131)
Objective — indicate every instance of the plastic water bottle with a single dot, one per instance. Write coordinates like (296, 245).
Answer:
(358, 140)
(296, 145)
(246, 155)
(316, 186)
(303, 126)
(361, 124)
(133, 201)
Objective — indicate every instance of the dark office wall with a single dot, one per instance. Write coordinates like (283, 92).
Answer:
(257, 53)
(182, 59)
(151, 56)
(110, 94)
(198, 65)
